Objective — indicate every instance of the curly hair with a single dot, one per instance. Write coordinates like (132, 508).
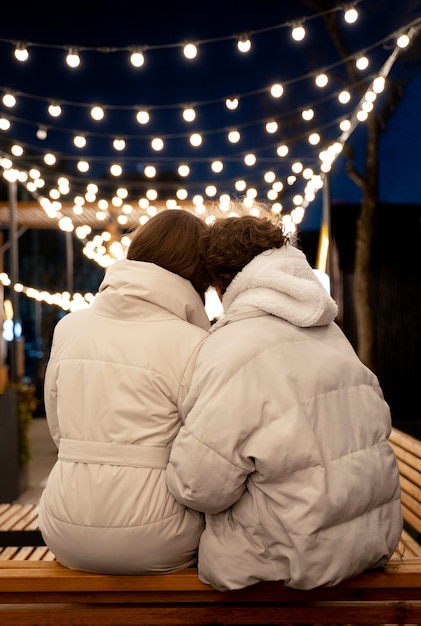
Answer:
(232, 242)
(170, 239)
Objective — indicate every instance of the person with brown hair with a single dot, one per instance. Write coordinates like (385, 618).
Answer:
(117, 375)
(285, 444)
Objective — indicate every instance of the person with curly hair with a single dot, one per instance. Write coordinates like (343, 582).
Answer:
(285, 445)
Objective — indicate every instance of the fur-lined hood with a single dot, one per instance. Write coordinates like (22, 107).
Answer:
(281, 282)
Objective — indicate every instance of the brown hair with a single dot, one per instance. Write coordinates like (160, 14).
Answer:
(170, 239)
(232, 242)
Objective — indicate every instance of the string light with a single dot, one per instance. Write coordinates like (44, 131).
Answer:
(298, 32)
(41, 133)
(97, 113)
(196, 139)
(150, 171)
(234, 136)
(83, 166)
(190, 51)
(54, 109)
(73, 58)
(276, 90)
(137, 58)
(79, 141)
(143, 116)
(244, 44)
(21, 53)
(321, 80)
(377, 85)
(307, 114)
(119, 144)
(182, 194)
(232, 103)
(282, 150)
(189, 114)
(63, 300)
(362, 63)
(116, 170)
(49, 159)
(217, 167)
(250, 159)
(272, 126)
(9, 100)
(403, 41)
(344, 97)
(351, 15)
(183, 170)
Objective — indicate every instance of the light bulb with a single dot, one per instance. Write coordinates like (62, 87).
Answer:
(157, 144)
(54, 110)
(403, 41)
(97, 113)
(189, 114)
(362, 63)
(232, 103)
(298, 32)
(41, 133)
(234, 136)
(142, 117)
(73, 58)
(137, 59)
(79, 141)
(190, 51)
(21, 53)
(9, 100)
(321, 80)
(276, 90)
(351, 15)
(244, 44)
(195, 139)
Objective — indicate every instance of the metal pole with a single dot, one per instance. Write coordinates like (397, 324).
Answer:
(69, 261)
(14, 276)
(327, 222)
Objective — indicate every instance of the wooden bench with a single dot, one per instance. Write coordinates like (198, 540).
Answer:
(45, 593)
(41, 592)
(20, 537)
(408, 452)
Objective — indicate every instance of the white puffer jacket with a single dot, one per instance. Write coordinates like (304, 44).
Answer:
(285, 443)
(115, 382)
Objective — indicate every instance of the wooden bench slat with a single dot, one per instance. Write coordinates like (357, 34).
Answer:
(411, 465)
(8, 553)
(405, 441)
(411, 511)
(410, 488)
(389, 596)
(408, 547)
(41, 553)
(3, 507)
(17, 517)
(52, 577)
(409, 459)
(411, 518)
(359, 613)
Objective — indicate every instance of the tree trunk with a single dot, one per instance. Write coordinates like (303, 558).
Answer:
(363, 243)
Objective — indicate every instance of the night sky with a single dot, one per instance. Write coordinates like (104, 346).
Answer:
(104, 32)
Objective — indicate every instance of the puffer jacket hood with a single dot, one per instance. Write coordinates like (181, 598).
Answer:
(127, 282)
(281, 282)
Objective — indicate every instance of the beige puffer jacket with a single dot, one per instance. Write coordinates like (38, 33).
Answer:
(285, 445)
(116, 379)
